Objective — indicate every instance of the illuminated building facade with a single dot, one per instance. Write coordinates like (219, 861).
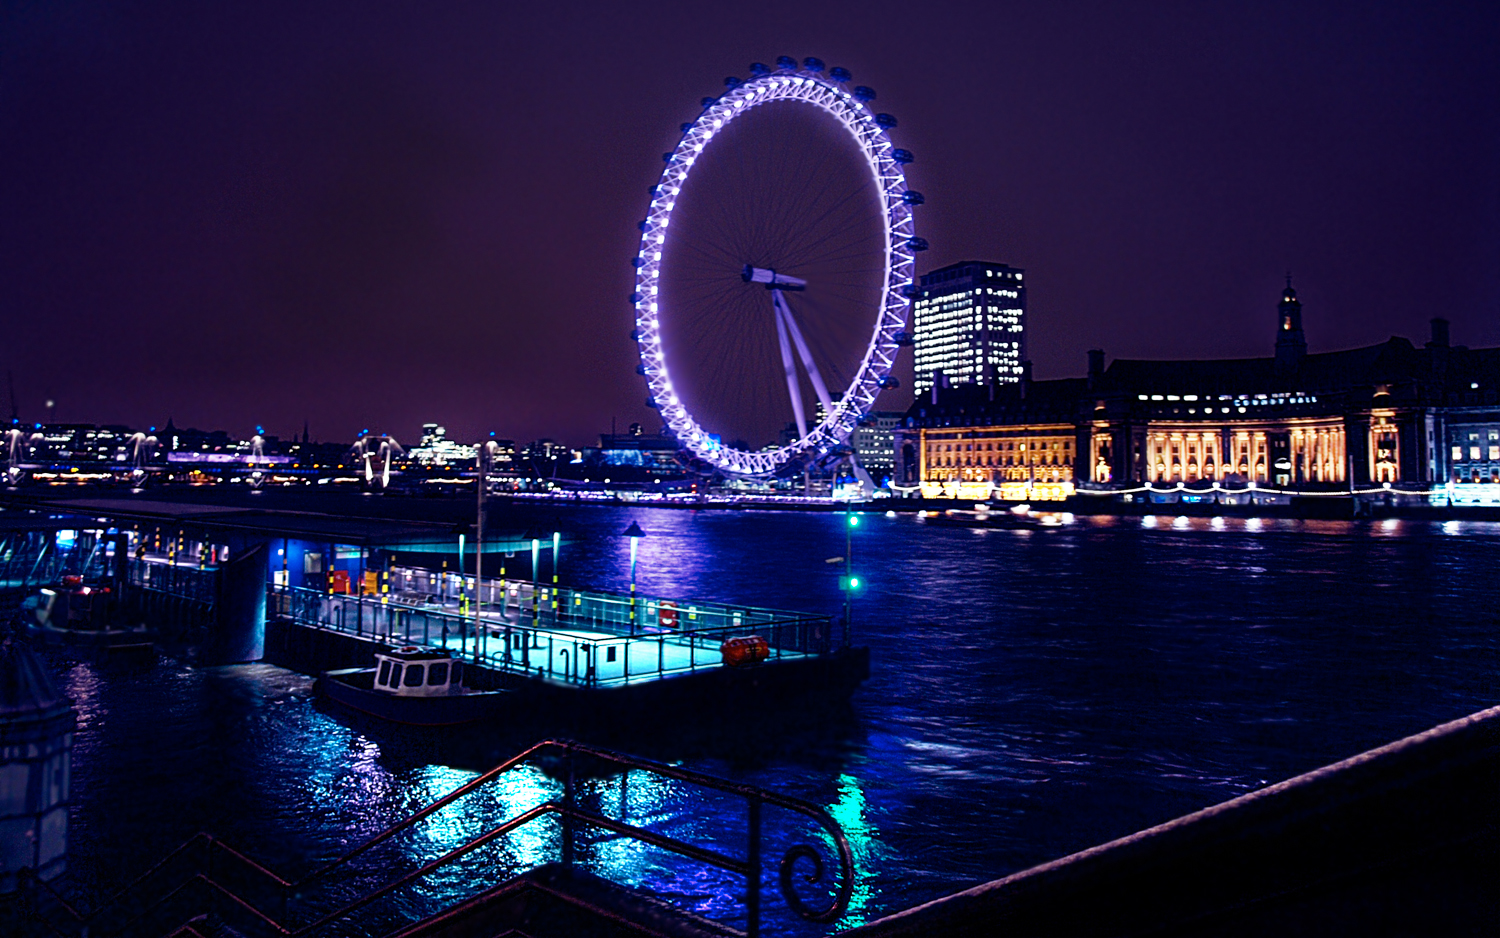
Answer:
(1017, 440)
(874, 442)
(1388, 414)
(654, 454)
(969, 325)
(435, 449)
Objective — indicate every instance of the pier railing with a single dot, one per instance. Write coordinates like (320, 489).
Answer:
(569, 636)
(30, 558)
(206, 875)
(185, 581)
(621, 613)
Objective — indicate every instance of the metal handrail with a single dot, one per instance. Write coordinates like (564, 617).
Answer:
(394, 622)
(748, 623)
(570, 815)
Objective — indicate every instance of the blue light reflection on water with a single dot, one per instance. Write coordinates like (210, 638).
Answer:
(1034, 693)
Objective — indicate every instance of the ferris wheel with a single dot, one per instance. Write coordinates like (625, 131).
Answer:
(775, 270)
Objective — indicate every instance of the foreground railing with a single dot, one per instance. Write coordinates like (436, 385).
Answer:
(239, 888)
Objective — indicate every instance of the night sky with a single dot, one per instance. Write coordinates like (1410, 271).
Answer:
(375, 215)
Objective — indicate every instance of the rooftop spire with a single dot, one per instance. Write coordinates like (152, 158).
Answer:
(1291, 344)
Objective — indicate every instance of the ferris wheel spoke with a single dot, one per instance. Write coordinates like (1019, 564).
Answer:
(711, 253)
(819, 223)
(819, 341)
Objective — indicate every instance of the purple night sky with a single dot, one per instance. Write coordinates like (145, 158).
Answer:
(374, 215)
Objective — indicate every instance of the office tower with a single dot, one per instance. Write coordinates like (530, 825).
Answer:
(969, 325)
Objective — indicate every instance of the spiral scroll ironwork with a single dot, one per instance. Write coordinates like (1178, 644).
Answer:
(787, 870)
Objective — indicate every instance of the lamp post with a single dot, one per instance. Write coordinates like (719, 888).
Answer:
(556, 544)
(479, 483)
(536, 551)
(851, 582)
(635, 534)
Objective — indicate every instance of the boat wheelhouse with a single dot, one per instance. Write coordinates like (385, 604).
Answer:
(418, 672)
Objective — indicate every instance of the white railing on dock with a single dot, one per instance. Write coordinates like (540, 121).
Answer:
(584, 638)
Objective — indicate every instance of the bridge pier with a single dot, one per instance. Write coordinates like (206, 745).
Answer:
(238, 632)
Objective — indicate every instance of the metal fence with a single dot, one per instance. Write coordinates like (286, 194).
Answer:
(570, 636)
(199, 584)
(35, 558)
(544, 606)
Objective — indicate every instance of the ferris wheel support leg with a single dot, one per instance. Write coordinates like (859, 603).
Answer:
(789, 365)
(779, 299)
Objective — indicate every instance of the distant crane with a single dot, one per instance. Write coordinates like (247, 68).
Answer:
(18, 444)
(373, 449)
(257, 456)
(142, 448)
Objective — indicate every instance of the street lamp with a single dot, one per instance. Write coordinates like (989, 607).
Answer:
(635, 534)
(481, 452)
(536, 551)
(849, 582)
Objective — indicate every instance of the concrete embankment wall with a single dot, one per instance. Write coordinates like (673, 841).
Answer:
(1400, 840)
(312, 651)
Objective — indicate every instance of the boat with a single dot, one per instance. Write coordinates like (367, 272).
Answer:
(412, 685)
(88, 619)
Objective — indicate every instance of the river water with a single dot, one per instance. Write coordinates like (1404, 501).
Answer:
(1033, 693)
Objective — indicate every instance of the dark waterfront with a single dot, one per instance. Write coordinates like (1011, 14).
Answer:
(1033, 693)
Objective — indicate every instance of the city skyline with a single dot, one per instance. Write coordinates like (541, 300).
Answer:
(233, 218)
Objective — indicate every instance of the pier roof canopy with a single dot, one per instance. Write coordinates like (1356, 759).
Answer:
(365, 530)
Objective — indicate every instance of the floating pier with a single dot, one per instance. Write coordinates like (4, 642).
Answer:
(584, 660)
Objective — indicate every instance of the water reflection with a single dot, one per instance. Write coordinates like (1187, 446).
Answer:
(852, 814)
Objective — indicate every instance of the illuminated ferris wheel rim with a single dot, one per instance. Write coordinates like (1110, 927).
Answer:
(806, 85)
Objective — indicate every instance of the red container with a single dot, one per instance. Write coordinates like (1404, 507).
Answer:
(746, 651)
(667, 614)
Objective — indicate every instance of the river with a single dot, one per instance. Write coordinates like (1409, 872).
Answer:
(1034, 692)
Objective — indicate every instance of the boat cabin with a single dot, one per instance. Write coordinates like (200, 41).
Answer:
(418, 672)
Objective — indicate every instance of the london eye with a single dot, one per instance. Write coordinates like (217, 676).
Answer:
(774, 270)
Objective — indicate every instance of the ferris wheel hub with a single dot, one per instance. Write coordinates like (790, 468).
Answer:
(772, 279)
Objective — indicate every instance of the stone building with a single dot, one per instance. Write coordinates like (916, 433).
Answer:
(1388, 414)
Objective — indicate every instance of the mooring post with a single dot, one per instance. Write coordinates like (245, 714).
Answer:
(567, 818)
(752, 874)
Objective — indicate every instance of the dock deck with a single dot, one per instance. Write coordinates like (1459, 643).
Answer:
(558, 634)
